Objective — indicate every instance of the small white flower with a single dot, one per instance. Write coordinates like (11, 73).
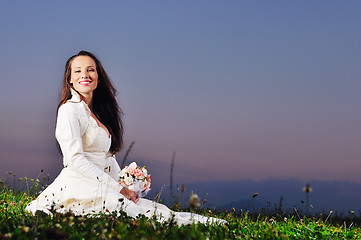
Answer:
(133, 165)
(128, 180)
(123, 172)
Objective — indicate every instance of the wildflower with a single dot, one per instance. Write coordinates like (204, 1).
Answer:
(7, 235)
(25, 229)
(194, 201)
(307, 188)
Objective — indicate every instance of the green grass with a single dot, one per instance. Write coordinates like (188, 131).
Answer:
(15, 223)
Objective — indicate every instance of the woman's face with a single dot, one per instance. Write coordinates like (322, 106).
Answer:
(84, 76)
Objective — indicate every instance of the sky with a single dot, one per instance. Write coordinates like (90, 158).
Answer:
(238, 89)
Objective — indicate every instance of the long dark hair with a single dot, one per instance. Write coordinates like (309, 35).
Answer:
(104, 103)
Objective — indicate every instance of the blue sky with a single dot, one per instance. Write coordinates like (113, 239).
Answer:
(239, 89)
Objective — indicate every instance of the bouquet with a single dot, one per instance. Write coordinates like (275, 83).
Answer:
(135, 178)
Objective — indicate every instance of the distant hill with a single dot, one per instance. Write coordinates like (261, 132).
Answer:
(326, 195)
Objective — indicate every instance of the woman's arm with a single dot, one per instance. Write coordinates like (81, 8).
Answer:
(114, 168)
(114, 171)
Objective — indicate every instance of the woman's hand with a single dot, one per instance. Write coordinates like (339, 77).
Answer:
(129, 195)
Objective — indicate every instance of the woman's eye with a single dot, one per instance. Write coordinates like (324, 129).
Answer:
(91, 70)
(77, 71)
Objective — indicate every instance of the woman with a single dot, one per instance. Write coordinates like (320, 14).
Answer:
(89, 131)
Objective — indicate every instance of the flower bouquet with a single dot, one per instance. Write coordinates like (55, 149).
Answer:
(135, 178)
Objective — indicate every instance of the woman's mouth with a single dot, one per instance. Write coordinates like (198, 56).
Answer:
(85, 82)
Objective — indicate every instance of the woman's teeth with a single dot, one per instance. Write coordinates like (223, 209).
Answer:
(85, 83)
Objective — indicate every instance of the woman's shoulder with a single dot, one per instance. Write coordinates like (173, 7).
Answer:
(74, 105)
(72, 114)
(74, 108)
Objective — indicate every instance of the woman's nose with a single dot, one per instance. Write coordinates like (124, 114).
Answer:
(85, 74)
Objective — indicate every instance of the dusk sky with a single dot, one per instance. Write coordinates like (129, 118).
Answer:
(239, 89)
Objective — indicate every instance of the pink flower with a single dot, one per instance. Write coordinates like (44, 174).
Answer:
(131, 171)
(138, 173)
(147, 186)
(148, 178)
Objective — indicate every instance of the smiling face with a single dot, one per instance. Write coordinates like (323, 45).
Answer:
(84, 76)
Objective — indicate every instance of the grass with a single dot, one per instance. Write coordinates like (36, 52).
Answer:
(15, 223)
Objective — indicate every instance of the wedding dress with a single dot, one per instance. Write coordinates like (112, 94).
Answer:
(88, 183)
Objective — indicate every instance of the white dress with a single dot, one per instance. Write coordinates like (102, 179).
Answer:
(88, 182)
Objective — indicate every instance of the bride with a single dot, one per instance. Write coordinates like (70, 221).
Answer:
(89, 131)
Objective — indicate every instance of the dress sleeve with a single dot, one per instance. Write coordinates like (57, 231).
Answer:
(68, 134)
(114, 167)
